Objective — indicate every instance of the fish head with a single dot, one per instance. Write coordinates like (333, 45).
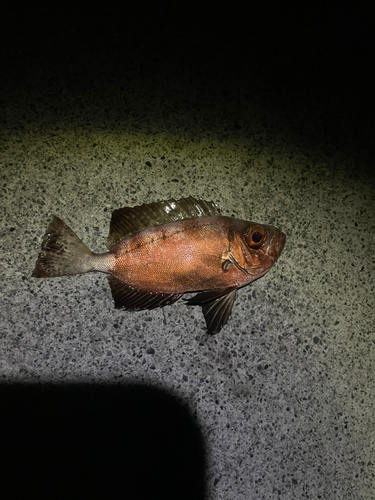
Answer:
(261, 247)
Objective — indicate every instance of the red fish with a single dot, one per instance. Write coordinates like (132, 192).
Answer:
(160, 251)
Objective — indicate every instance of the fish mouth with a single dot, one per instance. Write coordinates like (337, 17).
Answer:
(281, 242)
(276, 245)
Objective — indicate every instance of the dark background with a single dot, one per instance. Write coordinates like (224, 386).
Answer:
(290, 56)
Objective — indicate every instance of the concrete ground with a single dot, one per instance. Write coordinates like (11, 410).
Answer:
(283, 397)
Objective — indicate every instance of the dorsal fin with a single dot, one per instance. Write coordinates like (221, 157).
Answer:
(131, 220)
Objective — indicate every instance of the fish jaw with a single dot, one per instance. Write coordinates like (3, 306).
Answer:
(276, 245)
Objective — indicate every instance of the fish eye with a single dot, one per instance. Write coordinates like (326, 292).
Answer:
(256, 237)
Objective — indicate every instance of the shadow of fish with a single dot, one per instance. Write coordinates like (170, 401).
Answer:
(160, 251)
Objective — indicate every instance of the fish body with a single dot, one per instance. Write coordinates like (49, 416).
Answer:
(160, 251)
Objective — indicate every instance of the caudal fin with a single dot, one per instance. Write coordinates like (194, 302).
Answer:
(63, 253)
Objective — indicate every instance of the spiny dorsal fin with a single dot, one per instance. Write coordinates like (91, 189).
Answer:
(132, 220)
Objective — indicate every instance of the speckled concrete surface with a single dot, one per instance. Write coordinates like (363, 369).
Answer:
(284, 395)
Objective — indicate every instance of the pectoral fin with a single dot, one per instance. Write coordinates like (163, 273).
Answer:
(217, 307)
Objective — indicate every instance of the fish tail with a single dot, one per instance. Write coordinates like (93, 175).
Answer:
(63, 253)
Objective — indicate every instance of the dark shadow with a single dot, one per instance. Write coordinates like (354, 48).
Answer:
(90, 441)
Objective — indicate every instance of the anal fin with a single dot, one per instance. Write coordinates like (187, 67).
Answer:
(216, 305)
(134, 299)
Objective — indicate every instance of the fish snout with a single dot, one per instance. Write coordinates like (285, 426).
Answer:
(276, 244)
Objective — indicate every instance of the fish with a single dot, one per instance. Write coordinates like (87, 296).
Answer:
(157, 252)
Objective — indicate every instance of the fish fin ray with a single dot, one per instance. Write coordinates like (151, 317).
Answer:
(131, 220)
(132, 299)
(208, 295)
(62, 253)
(217, 307)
